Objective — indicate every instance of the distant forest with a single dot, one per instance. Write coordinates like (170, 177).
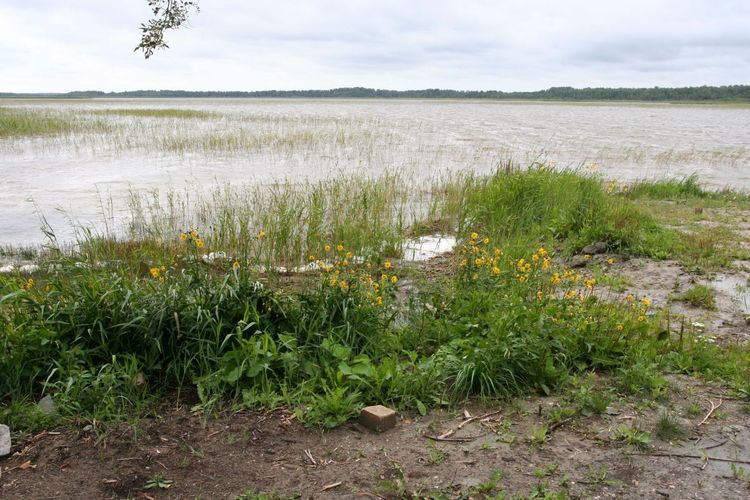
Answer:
(704, 93)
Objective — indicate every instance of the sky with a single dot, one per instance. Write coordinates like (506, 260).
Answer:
(60, 46)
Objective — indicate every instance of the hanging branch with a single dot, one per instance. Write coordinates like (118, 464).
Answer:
(168, 15)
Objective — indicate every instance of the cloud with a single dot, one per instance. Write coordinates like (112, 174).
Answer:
(48, 45)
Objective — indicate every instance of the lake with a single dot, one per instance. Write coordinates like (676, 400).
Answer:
(111, 148)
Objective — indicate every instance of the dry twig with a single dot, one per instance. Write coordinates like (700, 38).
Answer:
(711, 411)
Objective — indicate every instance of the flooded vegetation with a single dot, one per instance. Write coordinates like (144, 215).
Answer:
(97, 151)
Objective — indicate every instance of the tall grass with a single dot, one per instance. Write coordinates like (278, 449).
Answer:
(103, 328)
(25, 122)
(157, 113)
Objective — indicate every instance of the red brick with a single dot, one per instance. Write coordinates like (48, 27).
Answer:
(377, 418)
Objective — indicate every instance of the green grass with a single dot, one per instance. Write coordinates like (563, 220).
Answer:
(699, 296)
(25, 122)
(115, 325)
(157, 113)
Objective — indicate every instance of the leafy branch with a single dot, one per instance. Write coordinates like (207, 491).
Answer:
(168, 15)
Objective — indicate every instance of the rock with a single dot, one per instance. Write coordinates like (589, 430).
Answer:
(578, 261)
(28, 268)
(378, 418)
(598, 247)
(88, 428)
(4, 440)
(7, 269)
(47, 405)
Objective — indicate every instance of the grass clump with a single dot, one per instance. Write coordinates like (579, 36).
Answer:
(25, 122)
(157, 113)
(541, 205)
(667, 428)
(699, 296)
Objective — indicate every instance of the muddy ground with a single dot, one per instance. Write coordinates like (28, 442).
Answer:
(182, 455)
(248, 453)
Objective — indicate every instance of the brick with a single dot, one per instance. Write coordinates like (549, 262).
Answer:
(378, 418)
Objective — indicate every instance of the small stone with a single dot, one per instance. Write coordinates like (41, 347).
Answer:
(88, 428)
(578, 261)
(378, 418)
(4, 440)
(598, 247)
(47, 405)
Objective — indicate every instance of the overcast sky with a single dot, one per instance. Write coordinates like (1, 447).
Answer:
(63, 45)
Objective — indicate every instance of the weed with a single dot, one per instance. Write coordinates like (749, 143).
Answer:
(538, 435)
(547, 470)
(634, 437)
(699, 296)
(157, 481)
(668, 428)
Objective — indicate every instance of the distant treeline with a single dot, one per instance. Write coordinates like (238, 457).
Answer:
(704, 93)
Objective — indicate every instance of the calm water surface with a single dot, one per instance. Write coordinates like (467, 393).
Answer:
(86, 176)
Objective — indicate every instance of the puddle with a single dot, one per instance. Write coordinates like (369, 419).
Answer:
(736, 287)
(427, 247)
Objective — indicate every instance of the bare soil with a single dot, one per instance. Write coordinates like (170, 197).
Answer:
(244, 452)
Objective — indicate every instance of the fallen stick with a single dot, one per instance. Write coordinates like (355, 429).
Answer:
(331, 486)
(480, 417)
(559, 424)
(681, 455)
(466, 439)
(447, 434)
(711, 411)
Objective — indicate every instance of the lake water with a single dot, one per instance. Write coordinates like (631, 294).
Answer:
(72, 178)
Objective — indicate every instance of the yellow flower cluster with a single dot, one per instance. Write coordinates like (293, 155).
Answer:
(193, 237)
(338, 271)
(28, 285)
(158, 273)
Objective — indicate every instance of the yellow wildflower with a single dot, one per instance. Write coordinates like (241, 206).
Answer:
(183, 236)
(339, 248)
(620, 328)
(327, 248)
(630, 297)
(610, 261)
(479, 262)
(387, 264)
(474, 236)
(235, 265)
(542, 252)
(349, 255)
(383, 277)
(261, 234)
(193, 233)
(379, 300)
(641, 318)
(394, 278)
(199, 243)
(646, 302)
(486, 241)
(495, 270)
(154, 272)
(590, 283)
